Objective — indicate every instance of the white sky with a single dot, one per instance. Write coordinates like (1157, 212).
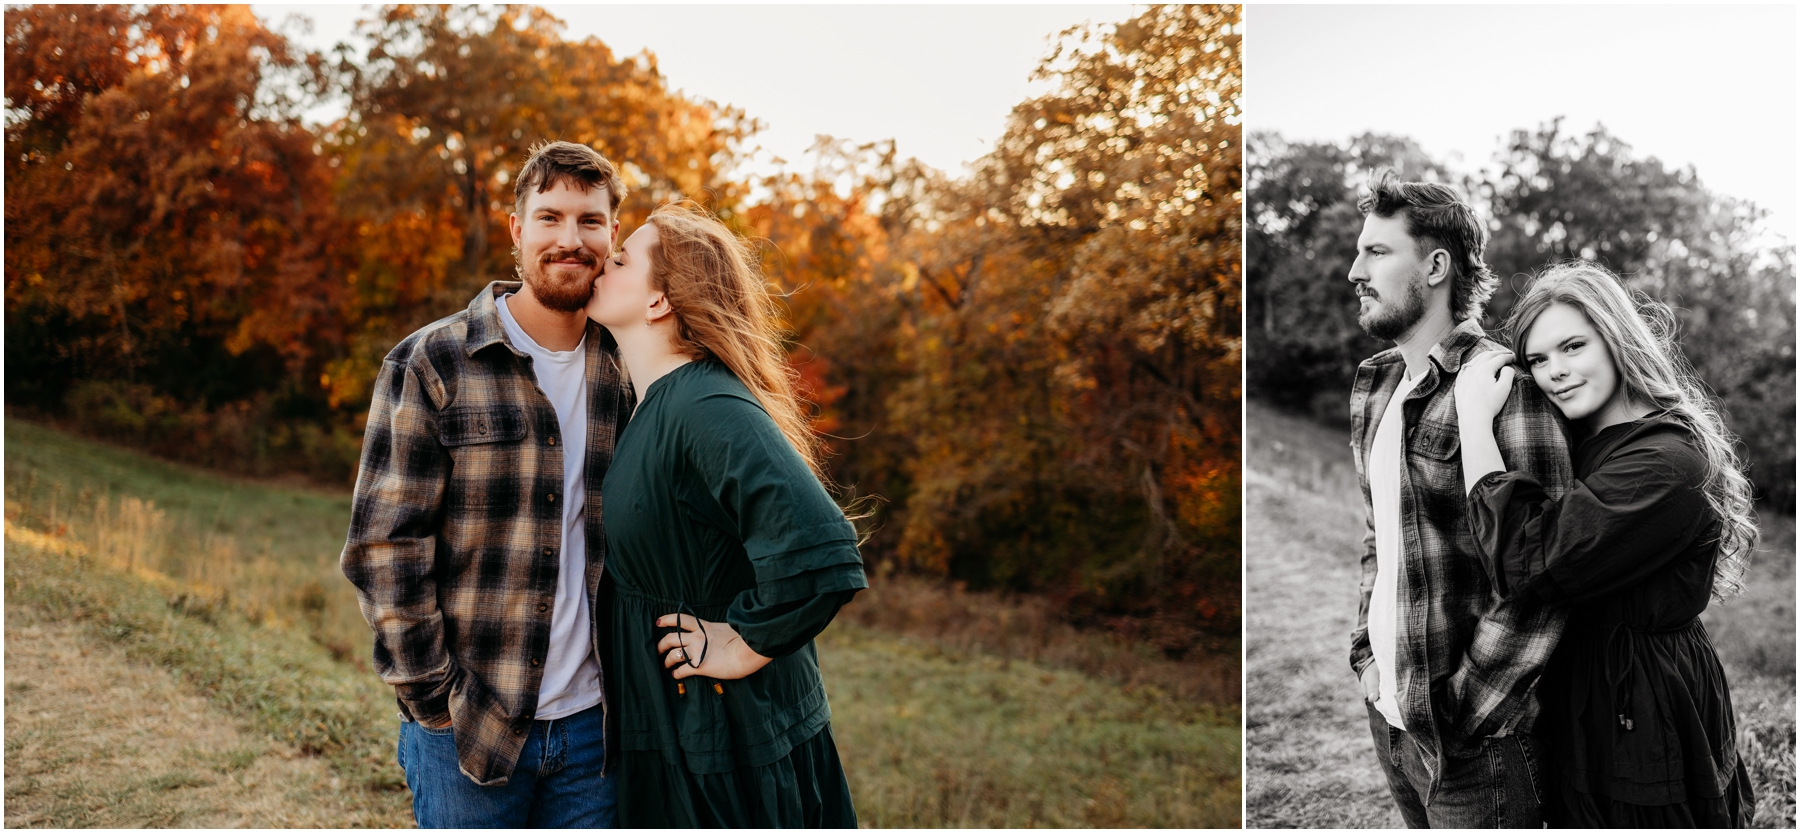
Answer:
(1709, 86)
(940, 80)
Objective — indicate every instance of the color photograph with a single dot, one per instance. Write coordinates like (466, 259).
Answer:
(676, 416)
(1519, 463)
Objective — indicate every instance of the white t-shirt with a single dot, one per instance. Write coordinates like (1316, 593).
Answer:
(1386, 455)
(571, 673)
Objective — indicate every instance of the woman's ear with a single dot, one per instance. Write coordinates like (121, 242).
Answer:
(658, 310)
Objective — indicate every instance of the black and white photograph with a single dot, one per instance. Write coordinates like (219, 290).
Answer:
(1519, 435)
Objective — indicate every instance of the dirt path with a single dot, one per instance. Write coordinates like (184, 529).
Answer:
(94, 739)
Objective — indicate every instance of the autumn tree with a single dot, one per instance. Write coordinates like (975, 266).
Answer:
(167, 215)
(444, 107)
(1042, 412)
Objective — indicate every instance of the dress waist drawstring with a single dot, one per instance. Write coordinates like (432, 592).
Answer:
(1621, 660)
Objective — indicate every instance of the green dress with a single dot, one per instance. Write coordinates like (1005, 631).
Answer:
(710, 511)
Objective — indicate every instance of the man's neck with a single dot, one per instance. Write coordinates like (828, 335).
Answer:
(1415, 346)
(558, 332)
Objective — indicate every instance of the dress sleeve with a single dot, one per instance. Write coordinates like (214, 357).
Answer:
(776, 630)
(1623, 522)
(798, 541)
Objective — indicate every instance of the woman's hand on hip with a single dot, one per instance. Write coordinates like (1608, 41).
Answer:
(1483, 385)
(716, 646)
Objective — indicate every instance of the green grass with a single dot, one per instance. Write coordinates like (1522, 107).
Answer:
(942, 738)
(233, 585)
(1310, 759)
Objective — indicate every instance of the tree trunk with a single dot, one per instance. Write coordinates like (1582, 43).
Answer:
(475, 236)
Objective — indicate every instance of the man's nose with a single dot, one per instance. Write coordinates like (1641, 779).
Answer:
(568, 236)
(1357, 274)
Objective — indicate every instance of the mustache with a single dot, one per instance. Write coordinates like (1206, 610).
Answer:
(585, 257)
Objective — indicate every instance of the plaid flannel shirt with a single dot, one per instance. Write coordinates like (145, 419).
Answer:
(457, 523)
(1467, 663)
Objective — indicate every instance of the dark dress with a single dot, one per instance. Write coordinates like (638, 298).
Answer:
(1635, 708)
(710, 511)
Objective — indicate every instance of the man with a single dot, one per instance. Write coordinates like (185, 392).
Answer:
(1448, 673)
(476, 544)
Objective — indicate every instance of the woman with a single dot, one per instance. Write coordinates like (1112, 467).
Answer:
(1634, 702)
(726, 554)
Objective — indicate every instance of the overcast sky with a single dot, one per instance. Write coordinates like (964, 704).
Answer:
(1709, 86)
(940, 80)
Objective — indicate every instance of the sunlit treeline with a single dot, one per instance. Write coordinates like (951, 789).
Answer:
(1033, 366)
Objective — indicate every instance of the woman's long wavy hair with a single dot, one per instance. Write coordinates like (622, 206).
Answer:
(1640, 334)
(724, 311)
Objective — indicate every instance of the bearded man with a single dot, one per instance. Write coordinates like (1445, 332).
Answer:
(475, 543)
(1448, 672)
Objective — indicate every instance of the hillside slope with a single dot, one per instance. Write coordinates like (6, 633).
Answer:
(229, 589)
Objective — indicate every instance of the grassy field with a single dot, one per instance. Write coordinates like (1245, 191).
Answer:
(1309, 756)
(226, 592)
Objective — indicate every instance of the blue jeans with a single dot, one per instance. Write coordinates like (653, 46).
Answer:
(1501, 786)
(557, 783)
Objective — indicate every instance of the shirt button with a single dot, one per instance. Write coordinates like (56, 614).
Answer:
(542, 608)
(553, 441)
(518, 730)
(552, 497)
(548, 551)
(534, 663)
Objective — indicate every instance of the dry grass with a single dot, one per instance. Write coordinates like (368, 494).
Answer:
(153, 755)
(935, 737)
(265, 551)
(1028, 628)
(993, 714)
(1310, 761)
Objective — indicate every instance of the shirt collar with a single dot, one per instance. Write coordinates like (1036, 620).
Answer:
(485, 326)
(1450, 351)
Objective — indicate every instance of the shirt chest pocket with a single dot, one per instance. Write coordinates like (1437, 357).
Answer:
(1435, 440)
(483, 442)
(1434, 450)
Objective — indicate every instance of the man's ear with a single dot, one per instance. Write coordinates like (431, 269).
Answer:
(516, 226)
(1439, 269)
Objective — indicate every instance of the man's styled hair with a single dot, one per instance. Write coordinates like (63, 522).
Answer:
(1437, 218)
(553, 162)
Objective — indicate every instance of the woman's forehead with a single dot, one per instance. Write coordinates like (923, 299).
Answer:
(1556, 323)
(643, 237)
